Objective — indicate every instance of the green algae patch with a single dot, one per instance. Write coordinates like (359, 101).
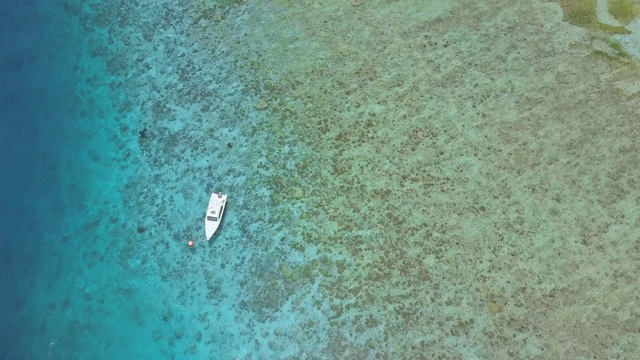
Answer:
(582, 13)
(613, 30)
(619, 49)
(623, 10)
(612, 50)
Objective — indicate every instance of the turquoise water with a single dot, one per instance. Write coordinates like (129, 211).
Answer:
(99, 196)
(406, 180)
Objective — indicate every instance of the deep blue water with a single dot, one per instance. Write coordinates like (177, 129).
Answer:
(38, 135)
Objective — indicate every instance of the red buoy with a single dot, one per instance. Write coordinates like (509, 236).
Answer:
(190, 243)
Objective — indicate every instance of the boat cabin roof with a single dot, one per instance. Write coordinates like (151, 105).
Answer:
(215, 206)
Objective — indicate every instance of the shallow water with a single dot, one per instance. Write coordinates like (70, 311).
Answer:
(406, 180)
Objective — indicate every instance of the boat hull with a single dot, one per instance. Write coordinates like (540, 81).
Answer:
(215, 210)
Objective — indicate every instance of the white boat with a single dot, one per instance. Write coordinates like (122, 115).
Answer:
(215, 210)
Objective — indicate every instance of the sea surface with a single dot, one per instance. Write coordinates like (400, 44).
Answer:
(406, 180)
